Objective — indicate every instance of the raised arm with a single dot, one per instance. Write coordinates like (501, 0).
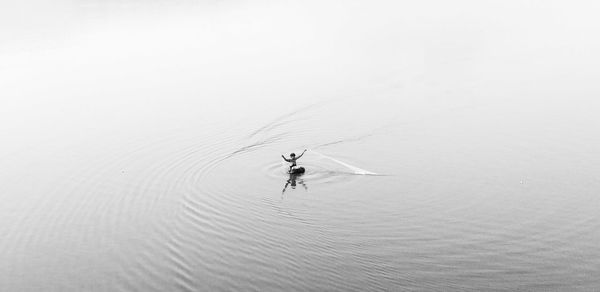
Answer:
(285, 158)
(301, 154)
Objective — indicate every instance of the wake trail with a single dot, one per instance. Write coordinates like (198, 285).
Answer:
(355, 170)
(279, 121)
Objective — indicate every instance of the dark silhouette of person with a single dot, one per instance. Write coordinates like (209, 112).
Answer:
(293, 159)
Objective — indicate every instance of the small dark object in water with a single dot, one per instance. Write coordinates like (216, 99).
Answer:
(297, 170)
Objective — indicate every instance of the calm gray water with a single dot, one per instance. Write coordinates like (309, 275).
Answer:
(451, 147)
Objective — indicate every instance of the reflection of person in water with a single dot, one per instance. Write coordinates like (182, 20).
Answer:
(292, 181)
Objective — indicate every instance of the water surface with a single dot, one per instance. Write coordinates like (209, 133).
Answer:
(450, 147)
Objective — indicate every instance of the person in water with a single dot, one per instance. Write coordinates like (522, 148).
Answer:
(293, 159)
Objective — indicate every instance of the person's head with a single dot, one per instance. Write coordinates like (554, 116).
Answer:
(293, 155)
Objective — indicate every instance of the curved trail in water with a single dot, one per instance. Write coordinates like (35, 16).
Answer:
(280, 121)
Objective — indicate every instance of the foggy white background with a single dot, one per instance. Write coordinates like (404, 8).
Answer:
(76, 67)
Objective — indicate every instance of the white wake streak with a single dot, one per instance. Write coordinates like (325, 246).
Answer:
(355, 170)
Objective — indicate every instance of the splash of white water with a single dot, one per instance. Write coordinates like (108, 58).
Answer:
(354, 169)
